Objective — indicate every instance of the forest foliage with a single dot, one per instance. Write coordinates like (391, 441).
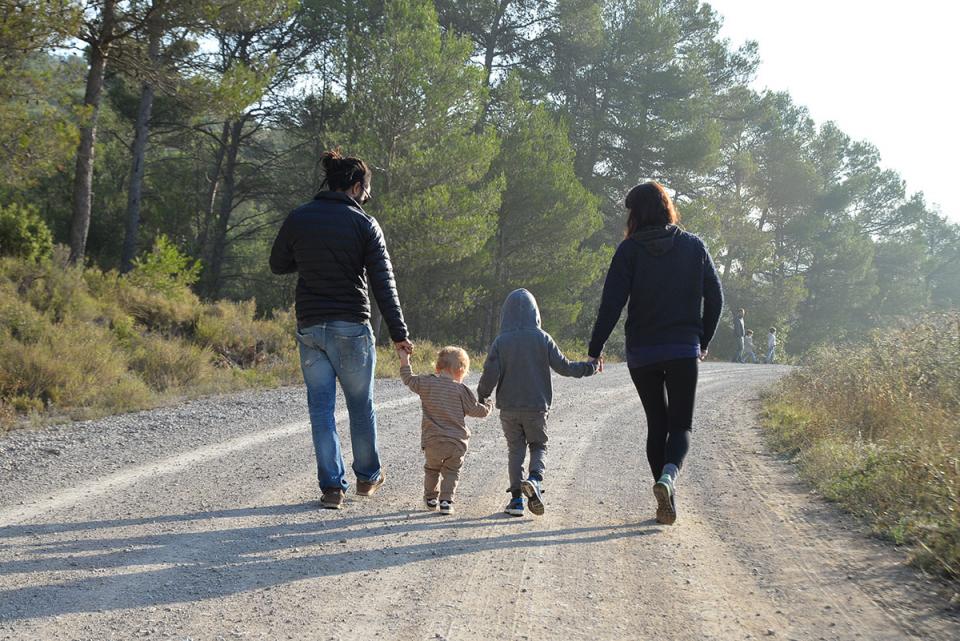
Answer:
(503, 136)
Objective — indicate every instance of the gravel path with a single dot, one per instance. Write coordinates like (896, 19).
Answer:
(201, 522)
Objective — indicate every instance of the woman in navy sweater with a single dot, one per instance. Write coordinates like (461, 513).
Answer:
(675, 299)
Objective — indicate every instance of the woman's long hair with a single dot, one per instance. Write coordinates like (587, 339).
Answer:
(649, 205)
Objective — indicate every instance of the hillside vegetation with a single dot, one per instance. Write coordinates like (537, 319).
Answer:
(876, 427)
(77, 343)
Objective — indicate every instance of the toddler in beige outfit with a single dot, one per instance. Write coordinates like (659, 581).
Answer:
(444, 435)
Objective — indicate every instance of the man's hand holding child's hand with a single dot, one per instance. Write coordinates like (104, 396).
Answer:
(597, 363)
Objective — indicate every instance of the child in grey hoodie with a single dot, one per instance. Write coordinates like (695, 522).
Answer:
(518, 366)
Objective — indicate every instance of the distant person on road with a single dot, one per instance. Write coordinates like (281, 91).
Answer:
(446, 402)
(518, 367)
(675, 300)
(740, 333)
(338, 251)
(771, 346)
(748, 349)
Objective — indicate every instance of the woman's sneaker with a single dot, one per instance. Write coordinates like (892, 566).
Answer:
(666, 503)
(431, 504)
(515, 506)
(531, 489)
(446, 507)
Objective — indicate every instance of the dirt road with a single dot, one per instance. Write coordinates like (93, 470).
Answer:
(202, 522)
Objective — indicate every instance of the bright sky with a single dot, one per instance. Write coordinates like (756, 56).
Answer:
(884, 71)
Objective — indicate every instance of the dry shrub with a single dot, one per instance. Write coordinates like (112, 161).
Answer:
(52, 286)
(167, 364)
(877, 428)
(156, 312)
(241, 340)
(19, 319)
(74, 366)
(8, 416)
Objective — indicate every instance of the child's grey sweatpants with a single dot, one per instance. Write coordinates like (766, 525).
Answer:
(522, 430)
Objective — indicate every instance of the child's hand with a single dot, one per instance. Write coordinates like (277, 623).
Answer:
(404, 357)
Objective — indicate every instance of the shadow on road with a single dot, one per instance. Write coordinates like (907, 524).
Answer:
(184, 566)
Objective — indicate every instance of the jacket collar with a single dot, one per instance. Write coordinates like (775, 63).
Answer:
(338, 196)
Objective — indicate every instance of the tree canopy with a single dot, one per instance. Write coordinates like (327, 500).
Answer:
(503, 136)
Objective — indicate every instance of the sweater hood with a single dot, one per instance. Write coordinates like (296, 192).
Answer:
(657, 241)
(519, 311)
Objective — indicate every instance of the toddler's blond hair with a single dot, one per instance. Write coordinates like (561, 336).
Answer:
(453, 359)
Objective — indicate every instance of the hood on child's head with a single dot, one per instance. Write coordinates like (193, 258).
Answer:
(519, 311)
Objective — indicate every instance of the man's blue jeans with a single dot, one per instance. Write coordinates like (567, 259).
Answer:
(344, 351)
(740, 349)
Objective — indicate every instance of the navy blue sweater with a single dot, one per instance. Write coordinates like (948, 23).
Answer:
(672, 286)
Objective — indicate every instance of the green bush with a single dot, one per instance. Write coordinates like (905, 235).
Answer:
(876, 427)
(165, 270)
(23, 233)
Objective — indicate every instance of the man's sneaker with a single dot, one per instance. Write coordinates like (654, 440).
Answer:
(515, 507)
(666, 504)
(431, 503)
(531, 490)
(332, 498)
(446, 507)
(367, 488)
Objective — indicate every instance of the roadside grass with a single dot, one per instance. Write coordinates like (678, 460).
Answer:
(79, 344)
(876, 428)
(82, 343)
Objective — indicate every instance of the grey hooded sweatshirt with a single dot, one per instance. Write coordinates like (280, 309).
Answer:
(520, 358)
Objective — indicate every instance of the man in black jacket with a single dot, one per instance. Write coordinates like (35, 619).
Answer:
(336, 248)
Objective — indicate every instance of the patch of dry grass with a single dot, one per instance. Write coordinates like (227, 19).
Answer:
(79, 344)
(83, 343)
(876, 427)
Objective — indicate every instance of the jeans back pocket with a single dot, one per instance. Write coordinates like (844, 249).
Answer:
(354, 352)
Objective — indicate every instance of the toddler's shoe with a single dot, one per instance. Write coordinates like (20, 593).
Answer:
(531, 489)
(446, 507)
(666, 503)
(431, 504)
(515, 506)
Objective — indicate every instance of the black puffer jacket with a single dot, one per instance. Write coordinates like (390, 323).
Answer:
(334, 247)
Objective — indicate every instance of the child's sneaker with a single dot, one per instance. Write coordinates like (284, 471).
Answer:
(431, 503)
(515, 506)
(666, 504)
(446, 507)
(531, 489)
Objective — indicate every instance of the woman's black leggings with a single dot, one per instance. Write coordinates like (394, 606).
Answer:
(667, 391)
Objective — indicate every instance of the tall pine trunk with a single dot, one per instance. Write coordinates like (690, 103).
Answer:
(218, 245)
(83, 180)
(141, 134)
(210, 199)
